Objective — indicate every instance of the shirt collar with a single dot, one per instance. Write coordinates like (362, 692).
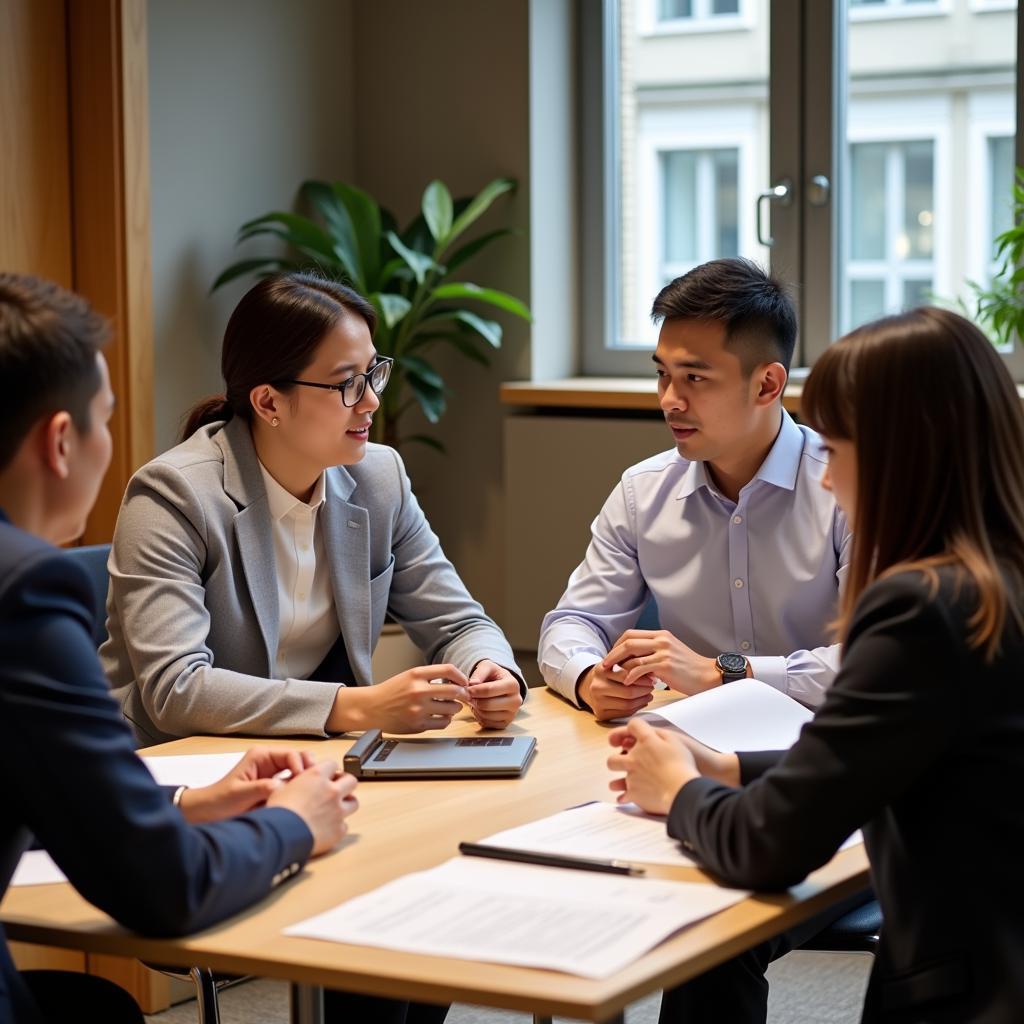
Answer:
(281, 501)
(780, 467)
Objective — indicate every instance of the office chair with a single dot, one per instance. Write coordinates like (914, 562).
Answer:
(93, 559)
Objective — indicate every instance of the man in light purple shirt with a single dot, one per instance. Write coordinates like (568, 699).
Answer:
(731, 533)
(733, 537)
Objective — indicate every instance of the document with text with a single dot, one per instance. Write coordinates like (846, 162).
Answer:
(520, 914)
(744, 715)
(600, 830)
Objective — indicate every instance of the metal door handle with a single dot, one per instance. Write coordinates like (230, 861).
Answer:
(781, 193)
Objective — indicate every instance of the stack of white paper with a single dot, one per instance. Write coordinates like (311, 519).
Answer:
(473, 909)
(597, 830)
(744, 715)
(191, 769)
(36, 867)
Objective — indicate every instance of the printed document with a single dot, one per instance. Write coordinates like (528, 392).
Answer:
(744, 715)
(578, 922)
(601, 830)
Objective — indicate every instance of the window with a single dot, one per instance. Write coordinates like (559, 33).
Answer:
(890, 262)
(897, 142)
(697, 10)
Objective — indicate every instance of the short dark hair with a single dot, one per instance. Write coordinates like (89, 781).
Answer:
(49, 338)
(272, 336)
(758, 314)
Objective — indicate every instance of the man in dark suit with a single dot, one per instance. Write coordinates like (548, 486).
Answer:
(159, 862)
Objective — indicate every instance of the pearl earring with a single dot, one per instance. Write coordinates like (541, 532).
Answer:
(273, 422)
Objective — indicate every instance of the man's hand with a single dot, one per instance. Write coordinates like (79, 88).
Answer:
(656, 764)
(408, 702)
(604, 692)
(323, 800)
(650, 654)
(494, 695)
(249, 784)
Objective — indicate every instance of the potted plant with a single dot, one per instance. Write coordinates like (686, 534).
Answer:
(407, 274)
(999, 307)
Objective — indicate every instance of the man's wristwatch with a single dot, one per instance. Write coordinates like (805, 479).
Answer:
(731, 666)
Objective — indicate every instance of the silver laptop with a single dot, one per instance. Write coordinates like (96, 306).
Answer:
(375, 756)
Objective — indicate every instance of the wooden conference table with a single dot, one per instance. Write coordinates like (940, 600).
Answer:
(403, 827)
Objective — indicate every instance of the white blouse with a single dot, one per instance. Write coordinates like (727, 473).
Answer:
(308, 623)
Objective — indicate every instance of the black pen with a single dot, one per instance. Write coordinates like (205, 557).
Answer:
(549, 860)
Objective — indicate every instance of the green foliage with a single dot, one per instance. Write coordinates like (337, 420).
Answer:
(999, 307)
(406, 274)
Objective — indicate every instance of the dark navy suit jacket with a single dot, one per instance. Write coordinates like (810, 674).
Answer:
(72, 778)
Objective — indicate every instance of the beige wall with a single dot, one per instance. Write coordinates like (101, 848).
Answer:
(247, 98)
(443, 91)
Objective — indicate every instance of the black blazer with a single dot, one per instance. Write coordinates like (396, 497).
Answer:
(922, 743)
(71, 778)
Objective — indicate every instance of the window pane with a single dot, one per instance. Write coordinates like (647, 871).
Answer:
(679, 201)
(917, 293)
(867, 186)
(727, 242)
(867, 301)
(1000, 156)
(918, 201)
(725, 6)
(670, 9)
(930, 167)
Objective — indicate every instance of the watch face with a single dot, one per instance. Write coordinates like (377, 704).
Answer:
(732, 663)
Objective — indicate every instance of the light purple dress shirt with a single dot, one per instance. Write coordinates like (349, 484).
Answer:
(760, 576)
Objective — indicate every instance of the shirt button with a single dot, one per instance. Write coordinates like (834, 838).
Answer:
(745, 646)
(737, 584)
(302, 597)
(737, 520)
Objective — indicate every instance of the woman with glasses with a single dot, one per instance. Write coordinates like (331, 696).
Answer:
(253, 564)
(920, 739)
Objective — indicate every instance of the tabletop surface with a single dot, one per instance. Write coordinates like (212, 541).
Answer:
(403, 827)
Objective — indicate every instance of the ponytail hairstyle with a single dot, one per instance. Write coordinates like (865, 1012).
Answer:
(939, 435)
(273, 336)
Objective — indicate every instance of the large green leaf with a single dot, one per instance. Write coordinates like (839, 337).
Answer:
(437, 211)
(465, 290)
(489, 330)
(470, 249)
(243, 267)
(418, 262)
(301, 231)
(465, 344)
(479, 205)
(365, 216)
(430, 399)
(335, 214)
(421, 370)
(391, 307)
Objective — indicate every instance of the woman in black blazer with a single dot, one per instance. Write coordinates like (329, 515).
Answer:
(920, 740)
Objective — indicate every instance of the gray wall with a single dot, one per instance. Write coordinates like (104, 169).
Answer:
(247, 98)
(458, 110)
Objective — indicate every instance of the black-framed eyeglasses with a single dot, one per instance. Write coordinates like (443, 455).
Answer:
(353, 388)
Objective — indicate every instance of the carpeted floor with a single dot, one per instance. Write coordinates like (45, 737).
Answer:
(806, 988)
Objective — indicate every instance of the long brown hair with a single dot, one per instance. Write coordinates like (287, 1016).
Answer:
(939, 435)
(272, 337)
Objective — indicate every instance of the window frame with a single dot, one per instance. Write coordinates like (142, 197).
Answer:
(649, 24)
(807, 79)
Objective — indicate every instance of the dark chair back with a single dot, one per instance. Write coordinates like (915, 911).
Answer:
(93, 559)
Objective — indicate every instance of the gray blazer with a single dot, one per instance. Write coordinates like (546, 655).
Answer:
(192, 611)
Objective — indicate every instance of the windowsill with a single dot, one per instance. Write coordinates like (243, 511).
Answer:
(600, 393)
(611, 393)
